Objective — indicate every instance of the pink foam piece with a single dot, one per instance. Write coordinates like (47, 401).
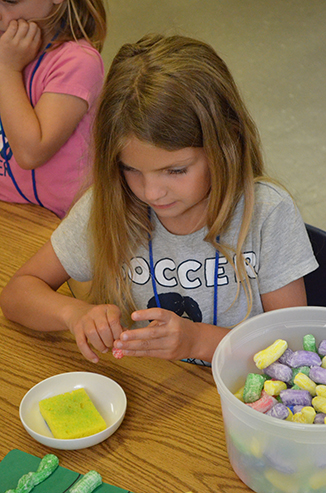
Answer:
(117, 353)
(264, 404)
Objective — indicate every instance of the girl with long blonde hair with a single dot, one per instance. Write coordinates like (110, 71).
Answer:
(51, 74)
(182, 234)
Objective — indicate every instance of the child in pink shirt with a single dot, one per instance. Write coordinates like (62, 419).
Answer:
(51, 73)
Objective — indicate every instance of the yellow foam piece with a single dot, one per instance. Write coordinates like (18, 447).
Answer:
(305, 416)
(321, 390)
(267, 356)
(284, 482)
(72, 415)
(305, 383)
(318, 480)
(274, 387)
(239, 394)
(319, 403)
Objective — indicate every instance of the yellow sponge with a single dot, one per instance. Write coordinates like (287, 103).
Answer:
(72, 415)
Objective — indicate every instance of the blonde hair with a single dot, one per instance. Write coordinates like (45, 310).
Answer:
(78, 19)
(174, 92)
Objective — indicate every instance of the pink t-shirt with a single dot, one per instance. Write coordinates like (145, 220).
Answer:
(72, 68)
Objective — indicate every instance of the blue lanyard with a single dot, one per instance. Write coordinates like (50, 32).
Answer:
(5, 147)
(5, 155)
(151, 266)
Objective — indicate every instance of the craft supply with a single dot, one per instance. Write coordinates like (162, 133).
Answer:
(72, 415)
(283, 482)
(274, 387)
(279, 411)
(321, 390)
(47, 466)
(294, 385)
(264, 404)
(300, 369)
(271, 354)
(304, 358)
(318, 480)
(305, 416)
(297, 408)
(24, 485)
(285, 356)
(309, 343)
(253, 387)
(279, 371)
(117, 353)
(239, 394)
(292, 397)
(319, 404)
(322, 348)
(318, 374)
(305, 383)
(309, 413)
(320, 418)
(88, 483)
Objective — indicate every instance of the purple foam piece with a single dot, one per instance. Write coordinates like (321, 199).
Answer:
(304, 358)
(318, 374)
(292, 397)
(279, 371)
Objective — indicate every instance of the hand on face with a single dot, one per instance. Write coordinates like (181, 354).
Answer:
(168, 336)
(19, 45)
(97, 326)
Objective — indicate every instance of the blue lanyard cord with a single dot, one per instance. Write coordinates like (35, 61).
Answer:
(35, 189)
(8, 165)
(151, 266)
(216, 286)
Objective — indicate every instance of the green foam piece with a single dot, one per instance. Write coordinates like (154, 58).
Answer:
(17, 463)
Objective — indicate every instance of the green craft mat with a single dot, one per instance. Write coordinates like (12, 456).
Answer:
(17, 463)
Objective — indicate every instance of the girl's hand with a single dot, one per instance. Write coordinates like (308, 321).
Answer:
(97, 326)
(168, 336)
(19, 45)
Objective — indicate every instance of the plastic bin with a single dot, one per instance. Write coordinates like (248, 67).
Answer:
(269, 455)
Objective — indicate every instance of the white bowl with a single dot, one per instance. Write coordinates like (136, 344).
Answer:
(107, 396)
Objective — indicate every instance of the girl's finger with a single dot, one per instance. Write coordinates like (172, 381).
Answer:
(157, 315)
(102, 338)
(113, 320)
(152, 331)
(84, 348)
(22, 29)
(142, 345)
(11, 29)
(99, 336)
(34, 32)
(149, 353)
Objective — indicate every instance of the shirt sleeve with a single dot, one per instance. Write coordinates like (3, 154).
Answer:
(76, 69)
(72, 243)
(286, 252)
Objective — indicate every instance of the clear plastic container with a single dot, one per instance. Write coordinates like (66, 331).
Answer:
(269, 455)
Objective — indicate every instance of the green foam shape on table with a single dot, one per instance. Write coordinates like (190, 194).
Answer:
(17, 463)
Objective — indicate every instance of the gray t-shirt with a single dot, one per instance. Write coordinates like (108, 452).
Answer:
(277, 248)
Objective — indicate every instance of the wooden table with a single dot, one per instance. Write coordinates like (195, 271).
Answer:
(172, 438)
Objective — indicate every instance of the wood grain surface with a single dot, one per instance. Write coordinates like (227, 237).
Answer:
(172, 438)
